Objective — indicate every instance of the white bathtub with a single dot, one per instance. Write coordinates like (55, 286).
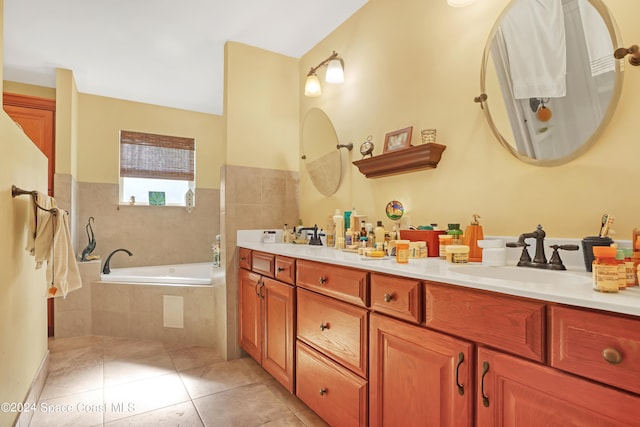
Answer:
(197, 274)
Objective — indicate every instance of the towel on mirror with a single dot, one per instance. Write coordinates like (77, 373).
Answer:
(535, 37)
(597, 38)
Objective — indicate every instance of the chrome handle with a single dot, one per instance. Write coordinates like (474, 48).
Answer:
(323, 280)
(388, 297)
(460, 386)
(323, 391)
(612, 355)
(485, 398)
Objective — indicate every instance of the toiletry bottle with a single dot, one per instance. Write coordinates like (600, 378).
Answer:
(371, 237)
(605, 269)
(379, 232)
(622, 269)
(629, 268)
(363, 229)
(393, 234)
(216, 252)
(455, 233)
(348, 237)
(339, 229)
(472, 234)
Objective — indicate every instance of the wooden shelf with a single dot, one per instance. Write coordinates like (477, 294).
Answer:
(425, 156)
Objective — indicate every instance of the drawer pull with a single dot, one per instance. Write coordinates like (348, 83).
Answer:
(242, 258)
(460, 386)
(280, 269)
(485, 398)
(612, 355)
(388, 297)
(323, 280)
(324, 326)
(323, 391)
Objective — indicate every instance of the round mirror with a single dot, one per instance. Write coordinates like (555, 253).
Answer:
(320, 153)
(549, 81)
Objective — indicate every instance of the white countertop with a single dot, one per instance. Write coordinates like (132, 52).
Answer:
(573, 287)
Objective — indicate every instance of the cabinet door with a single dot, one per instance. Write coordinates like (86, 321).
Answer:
(418, 377)
(516, 392)
(279, 335)
(249, 314)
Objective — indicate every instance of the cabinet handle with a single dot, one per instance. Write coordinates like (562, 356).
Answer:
(256, 287)
(324, 326)
(261, 286)
(388, 297)
(460, 386)
(243, 258)
(280, 269)
(323, 280)
(612, 355)
(485, 398)
(323, 391)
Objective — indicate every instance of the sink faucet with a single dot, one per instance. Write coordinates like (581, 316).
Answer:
(540, 259)
(315, 240)
(106, 269)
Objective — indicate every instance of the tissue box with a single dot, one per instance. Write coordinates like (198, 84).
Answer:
(429, 236)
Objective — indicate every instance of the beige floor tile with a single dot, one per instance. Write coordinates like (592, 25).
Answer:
(182, 414)
(288, 421)
(194, 357)
(248, 406)
(216, 378)
(74, 343)
(131, 348)
(69, 360)
(311, 419)
(77, 410)
(142, 396)
(125, 370)
(82, 379)
(289, 399)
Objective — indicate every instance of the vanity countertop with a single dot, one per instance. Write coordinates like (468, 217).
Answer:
(573, 287)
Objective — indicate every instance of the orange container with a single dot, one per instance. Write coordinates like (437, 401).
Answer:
(429, 236)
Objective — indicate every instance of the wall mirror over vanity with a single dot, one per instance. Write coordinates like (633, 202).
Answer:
(549, 80)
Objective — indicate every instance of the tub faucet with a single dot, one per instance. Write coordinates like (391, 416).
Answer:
(106, 269)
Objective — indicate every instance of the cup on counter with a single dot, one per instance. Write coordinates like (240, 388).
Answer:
(587, 248)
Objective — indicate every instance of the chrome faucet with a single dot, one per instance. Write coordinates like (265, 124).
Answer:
(106, 269)
(540, 259)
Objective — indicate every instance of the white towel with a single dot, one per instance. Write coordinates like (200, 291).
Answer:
(598, 39)
(62, 268)
(535, 38)
(49, 240)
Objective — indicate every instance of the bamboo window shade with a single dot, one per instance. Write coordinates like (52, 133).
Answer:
(146, 155)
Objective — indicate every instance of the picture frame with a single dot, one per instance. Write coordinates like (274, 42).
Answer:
(156, 198)
(397, 140)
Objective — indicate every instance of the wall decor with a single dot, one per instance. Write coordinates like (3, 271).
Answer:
(156, 198)
(398, 139)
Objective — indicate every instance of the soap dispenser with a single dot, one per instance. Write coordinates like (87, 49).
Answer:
(472, 234)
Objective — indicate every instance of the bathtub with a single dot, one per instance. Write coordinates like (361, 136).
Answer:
(196, 274)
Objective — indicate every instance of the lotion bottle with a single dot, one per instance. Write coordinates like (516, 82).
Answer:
(338, 222)
(472, 234)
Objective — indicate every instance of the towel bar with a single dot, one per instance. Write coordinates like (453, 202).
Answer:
(15, 191)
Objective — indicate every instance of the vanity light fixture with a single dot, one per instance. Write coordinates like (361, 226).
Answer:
(334, 75)
(634, 51)
(459, 3)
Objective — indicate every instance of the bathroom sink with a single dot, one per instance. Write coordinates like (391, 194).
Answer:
(524, 274)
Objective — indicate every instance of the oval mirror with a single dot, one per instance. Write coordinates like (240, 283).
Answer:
(321, 156)
(549, 81)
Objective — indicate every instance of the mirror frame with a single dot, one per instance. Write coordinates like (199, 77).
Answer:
(615, 98)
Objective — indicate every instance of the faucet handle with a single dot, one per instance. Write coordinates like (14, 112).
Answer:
(517, 244)
(555, 263)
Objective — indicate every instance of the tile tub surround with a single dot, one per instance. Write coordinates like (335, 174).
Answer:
(434, 269)
(161, 384)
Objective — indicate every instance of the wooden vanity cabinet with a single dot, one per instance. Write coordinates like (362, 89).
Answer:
(267, 320)
(419, 377)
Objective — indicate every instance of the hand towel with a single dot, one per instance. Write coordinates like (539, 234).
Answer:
(40, 229)
(62, 268)
(598, 39)
(535, 38)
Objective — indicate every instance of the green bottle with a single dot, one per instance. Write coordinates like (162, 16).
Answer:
(454, 230)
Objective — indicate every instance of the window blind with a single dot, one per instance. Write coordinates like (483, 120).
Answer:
(146, 155)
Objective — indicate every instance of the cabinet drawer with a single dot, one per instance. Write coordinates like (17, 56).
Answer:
(264, 263)
(244, 258)
(580, 340)
(344, 283)
(334, 393)
(286, 269)
(512, 324)
(335, 328)
(397, 297)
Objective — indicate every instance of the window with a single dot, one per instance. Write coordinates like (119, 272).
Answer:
(150, 162)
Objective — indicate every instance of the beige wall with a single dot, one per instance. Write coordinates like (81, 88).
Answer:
(261, 107)
(413, 62)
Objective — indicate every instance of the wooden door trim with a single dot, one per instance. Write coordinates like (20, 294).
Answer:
(26, 101)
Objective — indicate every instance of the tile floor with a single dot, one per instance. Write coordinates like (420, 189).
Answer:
(108, 381)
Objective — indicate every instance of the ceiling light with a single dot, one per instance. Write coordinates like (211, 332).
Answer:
(459, 3)
(334, 75)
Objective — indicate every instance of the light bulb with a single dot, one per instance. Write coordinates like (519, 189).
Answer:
(335, 73)
(312, 86)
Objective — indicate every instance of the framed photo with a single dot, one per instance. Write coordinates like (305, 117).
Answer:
(398, 139)
(156, 198)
